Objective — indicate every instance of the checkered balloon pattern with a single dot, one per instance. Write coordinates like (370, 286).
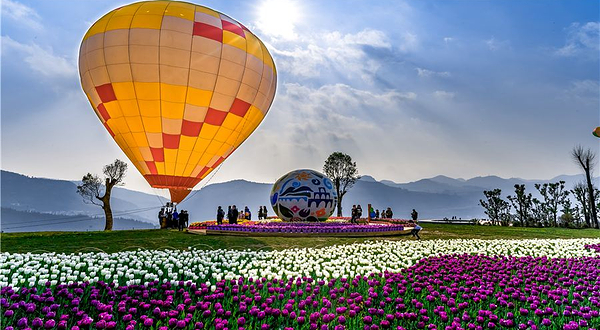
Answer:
(178, 86)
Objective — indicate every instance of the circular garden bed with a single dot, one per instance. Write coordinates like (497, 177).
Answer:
(304, 229)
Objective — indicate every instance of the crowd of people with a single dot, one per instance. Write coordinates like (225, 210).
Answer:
(387, 214)
(234, 215)
(375, 214)
(168, 217)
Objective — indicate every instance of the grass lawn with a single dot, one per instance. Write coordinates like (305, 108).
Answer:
(73, 242)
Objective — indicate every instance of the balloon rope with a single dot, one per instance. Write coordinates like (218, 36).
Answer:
(204, 185)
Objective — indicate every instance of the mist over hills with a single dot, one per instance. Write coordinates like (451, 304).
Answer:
(59, 197)
(27, 200)
(20, 221)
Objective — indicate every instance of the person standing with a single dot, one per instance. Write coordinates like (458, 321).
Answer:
(358, 212)
(388, 213)
(169, 220)
(182, 220)
(220, 215)
(265, 212)
(353, 214)
(161, 218)
(234, 215)
(377, 214)
(175, 223)
(247, 214)
(414, 215)
(229, 214)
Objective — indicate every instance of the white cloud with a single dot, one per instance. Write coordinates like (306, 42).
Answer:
(448, 39)
(21, 14)
(409, 42)
(320, 54)
(428, 73)
(327, 116)
(581, 39)
(306, 124)
(444, 95)
(39, 59)
(586, 92)
(494, 44)
(278, 18)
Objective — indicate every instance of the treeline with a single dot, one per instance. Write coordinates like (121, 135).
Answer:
(557, 205)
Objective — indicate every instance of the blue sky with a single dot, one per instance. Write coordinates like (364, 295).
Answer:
(410, 89)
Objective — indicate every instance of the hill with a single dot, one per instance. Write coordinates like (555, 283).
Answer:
(59, 197)
(20, 221)
(444, 184)
(435, 197)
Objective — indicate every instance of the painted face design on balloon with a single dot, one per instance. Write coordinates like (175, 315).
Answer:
(303, 195)
(178, 86)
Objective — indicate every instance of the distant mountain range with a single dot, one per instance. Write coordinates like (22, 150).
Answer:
(18, 221)
(30, 201)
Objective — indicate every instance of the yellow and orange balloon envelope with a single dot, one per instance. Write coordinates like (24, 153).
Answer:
(596, 132)
(178, 86)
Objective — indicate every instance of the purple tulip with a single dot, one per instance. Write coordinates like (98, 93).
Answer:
(37, 322)
(241, 321)
(23, 322)
(148, 322)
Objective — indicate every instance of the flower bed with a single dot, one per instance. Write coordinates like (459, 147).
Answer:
(315, 228)
(438, 284)
(405, 222)
(593, 247)
(204, 224)
(444, 292)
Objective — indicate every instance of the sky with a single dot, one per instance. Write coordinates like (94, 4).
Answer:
(409, 89)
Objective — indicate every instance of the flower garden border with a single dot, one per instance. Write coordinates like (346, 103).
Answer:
(405, 231)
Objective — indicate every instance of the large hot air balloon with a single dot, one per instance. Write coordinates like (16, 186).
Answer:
(596, 132)
(178, 86)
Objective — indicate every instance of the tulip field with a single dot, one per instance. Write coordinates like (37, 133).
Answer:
(373, 284)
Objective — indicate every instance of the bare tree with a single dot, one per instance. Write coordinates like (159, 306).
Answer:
(580, 191)
(92, 188)
(340, 168)
(586, 158)
(581, 196)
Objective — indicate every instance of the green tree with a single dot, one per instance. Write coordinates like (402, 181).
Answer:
(340, 168)
(539, 213)
(568, 214)
(522, 204)
(496, 208)
(586, 158)
(94, 191)
(581, 196)
(554, 195)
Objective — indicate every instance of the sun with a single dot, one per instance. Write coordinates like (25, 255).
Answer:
(278, 18)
